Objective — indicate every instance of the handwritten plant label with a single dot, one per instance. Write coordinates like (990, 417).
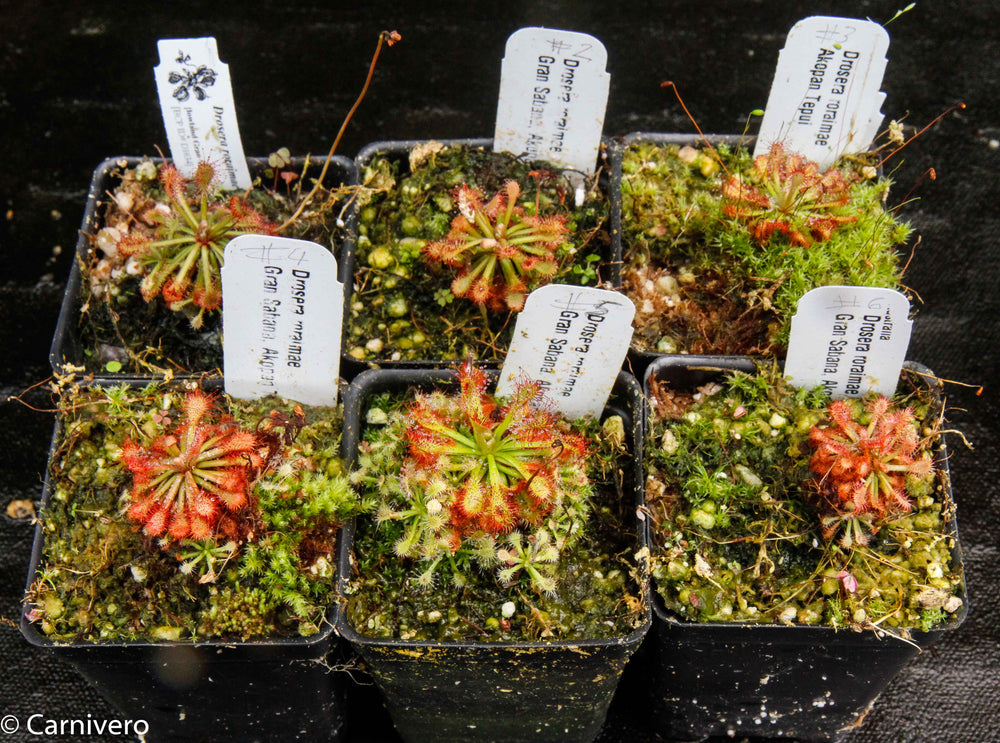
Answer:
(825, 99)
(282, 314)
(849, 339)
(573, 341)
(196, 100)
(553, 96)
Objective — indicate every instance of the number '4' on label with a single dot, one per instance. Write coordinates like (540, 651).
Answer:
(282, 314)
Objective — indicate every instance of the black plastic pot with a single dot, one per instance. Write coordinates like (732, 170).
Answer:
(253, 691)
(399, 151)
(67, 351)
(490, 691)
(261, 690)
(768, 680)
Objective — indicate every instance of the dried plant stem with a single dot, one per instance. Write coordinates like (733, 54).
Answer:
(386, 37)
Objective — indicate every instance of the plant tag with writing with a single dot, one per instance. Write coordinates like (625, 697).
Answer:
(196, 100)
(825, 99)
(553, 96)
(282, 314)
(850, 339)
(573, 341)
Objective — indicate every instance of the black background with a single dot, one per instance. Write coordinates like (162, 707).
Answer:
(76, 86)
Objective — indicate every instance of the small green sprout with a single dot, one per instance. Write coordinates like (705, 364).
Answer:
(205, 555)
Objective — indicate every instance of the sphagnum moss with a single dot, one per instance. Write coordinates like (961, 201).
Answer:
(718, 247)
(101, 578)
(738, 532)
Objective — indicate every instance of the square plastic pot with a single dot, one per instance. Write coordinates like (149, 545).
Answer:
(547, 691)
(269, 689)
(399, 151)
(67, 350)
(768, 680)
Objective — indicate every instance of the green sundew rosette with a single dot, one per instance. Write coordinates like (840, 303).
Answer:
(107, 327)
(739, 537)
(582, 590)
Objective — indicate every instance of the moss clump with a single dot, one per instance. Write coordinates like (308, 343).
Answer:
(711, 270)
(100, 578)
(589, 590)
(403, 307)
(737, 530)
(119, 330)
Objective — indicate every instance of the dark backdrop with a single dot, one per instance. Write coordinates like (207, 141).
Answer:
(76, 86)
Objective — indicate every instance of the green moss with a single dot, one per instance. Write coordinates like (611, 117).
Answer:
(736, 534)
(700, 280)
(405, 208)
(101, 578)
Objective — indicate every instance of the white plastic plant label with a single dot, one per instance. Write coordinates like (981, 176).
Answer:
(282, 314)
(553, 96)
(573, 341)
(196, 100)
(825, 100)
(850, 339)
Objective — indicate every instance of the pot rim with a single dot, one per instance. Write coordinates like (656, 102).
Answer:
(377, 379)
(719, 363)
(35, 637)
